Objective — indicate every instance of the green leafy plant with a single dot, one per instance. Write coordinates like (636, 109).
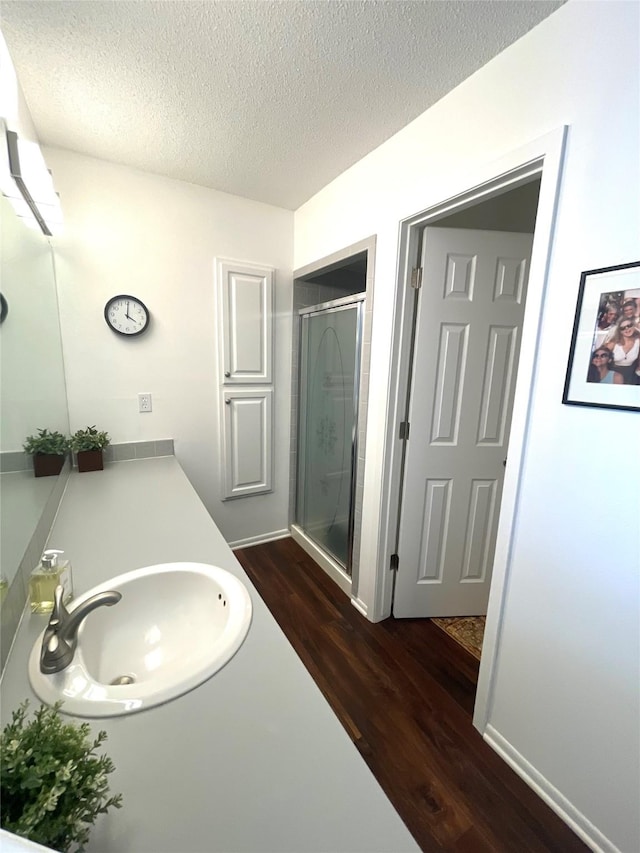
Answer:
(89, 439)
(54, 443)
(53, 783)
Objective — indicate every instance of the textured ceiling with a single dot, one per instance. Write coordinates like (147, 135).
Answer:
(267, 100)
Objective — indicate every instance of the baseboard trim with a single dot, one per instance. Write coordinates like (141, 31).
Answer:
(325, 562)
(590, 834)
(258, 540)
(360, 606)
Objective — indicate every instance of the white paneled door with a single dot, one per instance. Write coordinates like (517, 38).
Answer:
(246, 322)
(469, 317)
(247, 441)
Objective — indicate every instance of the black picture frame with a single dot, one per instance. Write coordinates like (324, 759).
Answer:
(608, 299)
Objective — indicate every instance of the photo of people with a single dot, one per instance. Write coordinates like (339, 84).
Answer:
(615, 353)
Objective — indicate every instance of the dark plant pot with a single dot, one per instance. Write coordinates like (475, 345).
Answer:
(47, 464)
(90, 460)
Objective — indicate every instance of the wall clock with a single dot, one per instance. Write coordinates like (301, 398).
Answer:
(4, 308)
(127, 315)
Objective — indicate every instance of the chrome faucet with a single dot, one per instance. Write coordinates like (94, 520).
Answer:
(61, 634)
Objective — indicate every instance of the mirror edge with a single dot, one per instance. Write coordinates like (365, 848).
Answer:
(15, 603)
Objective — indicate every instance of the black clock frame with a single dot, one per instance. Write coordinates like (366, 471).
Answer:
(133, 299)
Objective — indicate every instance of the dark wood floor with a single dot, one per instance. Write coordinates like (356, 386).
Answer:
(404, 691)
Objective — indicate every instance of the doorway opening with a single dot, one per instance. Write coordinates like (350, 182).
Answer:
(541, 159)
(466, 322)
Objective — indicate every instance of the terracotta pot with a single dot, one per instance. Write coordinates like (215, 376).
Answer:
(47, 464)
(90, 460)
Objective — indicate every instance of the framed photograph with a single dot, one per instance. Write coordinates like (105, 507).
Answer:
(604, 361)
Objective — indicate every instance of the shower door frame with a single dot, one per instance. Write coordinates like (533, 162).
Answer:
(356, 300)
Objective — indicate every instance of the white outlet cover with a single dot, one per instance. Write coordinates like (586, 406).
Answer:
(144, 402)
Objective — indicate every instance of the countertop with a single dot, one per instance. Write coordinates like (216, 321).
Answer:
(254, 759)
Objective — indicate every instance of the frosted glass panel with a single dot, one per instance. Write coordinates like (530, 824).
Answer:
(328, 410)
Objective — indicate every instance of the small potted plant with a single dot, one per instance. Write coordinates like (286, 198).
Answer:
(49, 450)
(54, 785)
(88, 444)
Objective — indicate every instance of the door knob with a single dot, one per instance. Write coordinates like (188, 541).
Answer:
(227, 374)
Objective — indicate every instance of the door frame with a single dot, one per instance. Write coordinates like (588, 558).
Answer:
(543, 157)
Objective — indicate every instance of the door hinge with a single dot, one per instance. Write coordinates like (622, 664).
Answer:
(416, 278)
(394, 562)
(404, 430)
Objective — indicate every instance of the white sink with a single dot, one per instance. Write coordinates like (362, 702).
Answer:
(175, 626)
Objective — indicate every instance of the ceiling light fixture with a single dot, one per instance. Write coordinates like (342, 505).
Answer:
(39, 194)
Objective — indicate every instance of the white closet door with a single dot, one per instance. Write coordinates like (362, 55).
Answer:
(246, 322)
(247, 441)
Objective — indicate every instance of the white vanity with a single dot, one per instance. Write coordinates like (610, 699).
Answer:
(253, 759)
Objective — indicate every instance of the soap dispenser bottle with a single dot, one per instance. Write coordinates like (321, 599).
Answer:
(44, 579)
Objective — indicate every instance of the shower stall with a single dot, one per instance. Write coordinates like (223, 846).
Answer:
(327, 452)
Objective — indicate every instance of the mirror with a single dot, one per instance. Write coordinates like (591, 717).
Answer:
(32, 396)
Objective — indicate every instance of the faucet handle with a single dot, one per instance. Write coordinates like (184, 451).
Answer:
(56, 653)
(59, 612)
(61, 634)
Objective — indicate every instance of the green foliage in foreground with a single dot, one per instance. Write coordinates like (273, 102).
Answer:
(53, 783)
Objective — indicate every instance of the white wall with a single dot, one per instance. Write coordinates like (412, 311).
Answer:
(14, 111)
(566, 693)
(135, 233)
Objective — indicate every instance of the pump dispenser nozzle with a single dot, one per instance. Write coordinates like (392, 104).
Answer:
(50, 558)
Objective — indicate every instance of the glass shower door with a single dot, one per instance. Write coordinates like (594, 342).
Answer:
(329, 370)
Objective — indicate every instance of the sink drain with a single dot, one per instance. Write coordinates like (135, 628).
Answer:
(123, 679)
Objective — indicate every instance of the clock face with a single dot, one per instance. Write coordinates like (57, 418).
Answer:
(126, 315)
